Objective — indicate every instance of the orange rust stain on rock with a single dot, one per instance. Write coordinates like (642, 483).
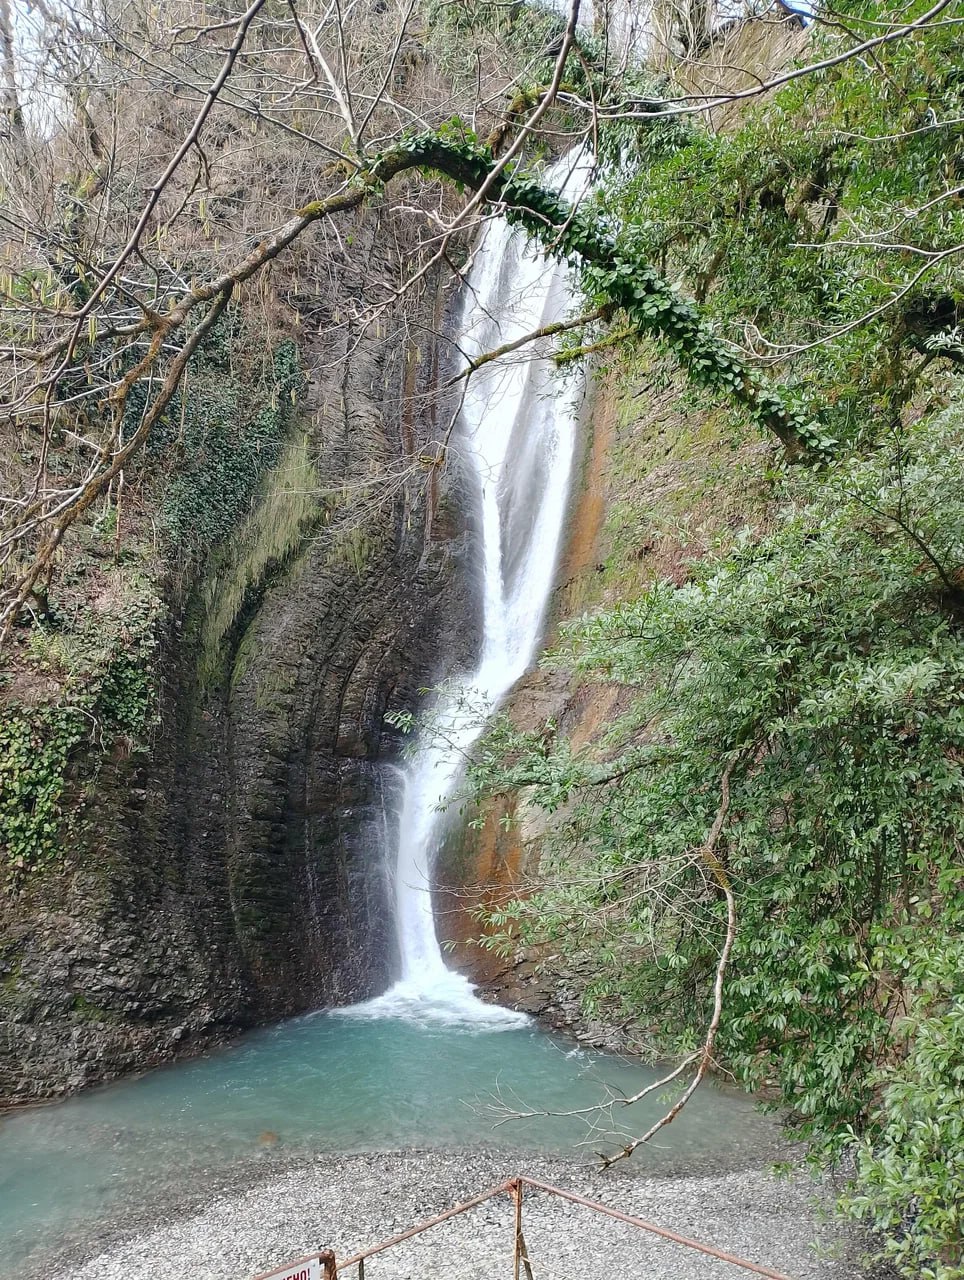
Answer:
(584, 533)
(496, 856)
(593, 708)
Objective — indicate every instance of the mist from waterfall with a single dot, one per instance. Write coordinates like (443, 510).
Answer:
(518, 428)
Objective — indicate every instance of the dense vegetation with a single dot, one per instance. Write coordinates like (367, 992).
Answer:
(818, 671)
(824, 235)
(796, 731)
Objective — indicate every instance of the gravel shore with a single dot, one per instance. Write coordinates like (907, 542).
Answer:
(349, 1202)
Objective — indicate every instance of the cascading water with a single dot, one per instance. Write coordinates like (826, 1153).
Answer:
(518, 424)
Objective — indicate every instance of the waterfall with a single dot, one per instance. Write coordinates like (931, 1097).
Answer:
(518, 427)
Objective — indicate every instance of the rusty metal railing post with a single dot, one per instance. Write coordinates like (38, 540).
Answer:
(520, 1254)
(517, 1249)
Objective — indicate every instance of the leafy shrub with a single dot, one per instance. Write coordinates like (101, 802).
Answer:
(820, 671)
(909, 1184)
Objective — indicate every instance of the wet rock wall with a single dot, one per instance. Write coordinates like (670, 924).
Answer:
(235, 874)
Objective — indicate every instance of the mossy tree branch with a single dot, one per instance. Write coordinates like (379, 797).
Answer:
(616, 280)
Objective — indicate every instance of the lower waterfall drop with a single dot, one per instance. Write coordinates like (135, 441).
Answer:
(519, 423)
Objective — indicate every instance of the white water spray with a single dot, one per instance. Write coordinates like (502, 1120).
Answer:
(518, 424)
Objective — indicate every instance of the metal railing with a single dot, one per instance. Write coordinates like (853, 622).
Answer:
(324, 1261)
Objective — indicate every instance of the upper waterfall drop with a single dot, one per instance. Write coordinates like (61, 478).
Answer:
(518, 426)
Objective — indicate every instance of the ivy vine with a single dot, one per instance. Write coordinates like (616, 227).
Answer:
(618, 279)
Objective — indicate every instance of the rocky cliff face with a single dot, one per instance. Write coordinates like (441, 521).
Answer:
(236, 874)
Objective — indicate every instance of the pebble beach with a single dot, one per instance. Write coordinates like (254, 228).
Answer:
(348, 1203)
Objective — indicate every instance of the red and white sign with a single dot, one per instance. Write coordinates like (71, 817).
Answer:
(309, 1269)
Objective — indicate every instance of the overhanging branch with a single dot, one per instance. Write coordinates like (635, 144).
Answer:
(616, 279)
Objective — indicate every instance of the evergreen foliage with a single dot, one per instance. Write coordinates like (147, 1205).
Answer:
(823, 667)
(34, 754)
(831, 216)
(99, 681)
(225, 429)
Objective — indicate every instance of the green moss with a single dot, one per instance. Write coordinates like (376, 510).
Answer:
(248, 650)
(87, 1011)
(352, 548)
(10, 983)
(269, 537)
(274, 684)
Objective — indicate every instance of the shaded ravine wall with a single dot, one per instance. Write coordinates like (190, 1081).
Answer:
(235, 876)
(661, 482)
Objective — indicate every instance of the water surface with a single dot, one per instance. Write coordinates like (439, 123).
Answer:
(324, 1083)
